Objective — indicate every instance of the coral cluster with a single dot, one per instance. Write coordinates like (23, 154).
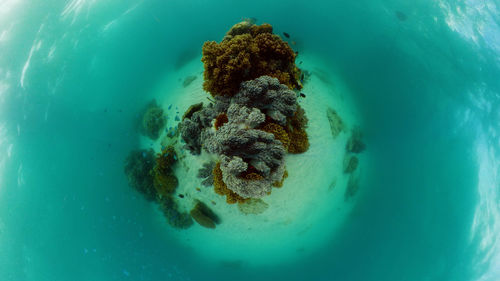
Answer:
(253, 130)
(247, 52)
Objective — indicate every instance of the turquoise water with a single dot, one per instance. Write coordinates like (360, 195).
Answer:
(75, 75)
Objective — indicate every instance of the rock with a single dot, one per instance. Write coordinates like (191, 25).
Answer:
(204, 216)
(253, 206)
(350, 163)
(336, 124)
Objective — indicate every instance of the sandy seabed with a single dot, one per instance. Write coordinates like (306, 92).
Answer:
(303, 214)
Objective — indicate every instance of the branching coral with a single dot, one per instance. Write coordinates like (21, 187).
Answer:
(153, 121)
(247, 52)
(139, 171)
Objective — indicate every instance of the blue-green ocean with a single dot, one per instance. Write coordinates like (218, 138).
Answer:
(424, 76)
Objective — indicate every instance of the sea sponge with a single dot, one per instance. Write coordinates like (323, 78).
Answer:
(221, 188)
(153, 121)
(204, 216)
(138, 168)
(245, 54)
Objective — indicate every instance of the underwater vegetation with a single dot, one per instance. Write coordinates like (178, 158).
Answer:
(248, 51)
(153, 121)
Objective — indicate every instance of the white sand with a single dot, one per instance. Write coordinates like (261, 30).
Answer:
(304, 213)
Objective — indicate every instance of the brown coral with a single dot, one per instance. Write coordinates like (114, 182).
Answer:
(245, 54)
(221, 188)
(296, 130)
(220, 120)
(278, 132)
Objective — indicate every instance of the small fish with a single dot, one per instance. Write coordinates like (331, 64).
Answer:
(177, 118)
(286, 35)
(181, 195)
(213, 202)
(300, 62)
(302, 95)
(198, 189)
(170, 106)
(144, 155)
(175, 157)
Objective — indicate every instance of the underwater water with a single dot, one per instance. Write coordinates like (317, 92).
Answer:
(421, 80)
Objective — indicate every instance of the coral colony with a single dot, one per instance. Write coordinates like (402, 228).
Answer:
(252, 122)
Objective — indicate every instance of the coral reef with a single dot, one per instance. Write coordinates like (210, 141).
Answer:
(253, 206)
(174, 217)
(138, 168)
(336, 123)
(204, 216)
(247, 51)
(153, 121)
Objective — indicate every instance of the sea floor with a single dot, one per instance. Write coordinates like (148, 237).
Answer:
(304, 213)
